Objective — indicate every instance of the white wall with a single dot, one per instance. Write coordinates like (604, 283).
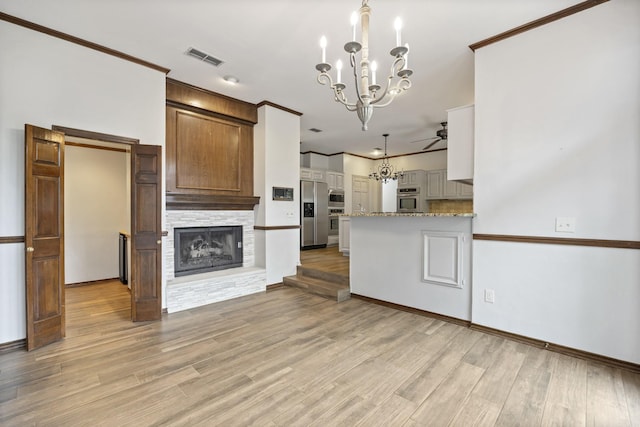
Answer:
(557, 135)
(336, 162)
(276, 164)
(424, 161)
(96, 209)
(315, 161)
(46, 81)
(390, 196)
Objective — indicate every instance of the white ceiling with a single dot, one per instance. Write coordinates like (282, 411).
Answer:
(273, 46)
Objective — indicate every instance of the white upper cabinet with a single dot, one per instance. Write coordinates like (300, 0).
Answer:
(440, 187)
(335, 180)
(312, 174)
(412, 178)
(460, 143)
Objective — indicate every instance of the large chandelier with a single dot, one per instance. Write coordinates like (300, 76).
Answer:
(367, 90)
(386, 172)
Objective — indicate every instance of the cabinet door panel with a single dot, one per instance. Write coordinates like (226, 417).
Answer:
(450, 189)
(331, 180)
(434, 184)
(466, 190)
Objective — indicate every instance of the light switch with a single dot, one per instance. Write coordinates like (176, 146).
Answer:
(565, 224)
(489, 296)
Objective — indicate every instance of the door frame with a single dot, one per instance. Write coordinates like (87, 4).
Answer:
(80, 133)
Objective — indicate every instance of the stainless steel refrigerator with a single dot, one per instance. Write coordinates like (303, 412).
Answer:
(314, 213)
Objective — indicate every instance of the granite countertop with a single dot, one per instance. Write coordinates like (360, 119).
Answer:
(420, 214)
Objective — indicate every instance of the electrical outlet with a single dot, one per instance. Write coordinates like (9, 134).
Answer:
(565, 224)
(489, 296)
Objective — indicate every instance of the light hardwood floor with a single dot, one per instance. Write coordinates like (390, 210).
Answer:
(288, 358)
(326, 259)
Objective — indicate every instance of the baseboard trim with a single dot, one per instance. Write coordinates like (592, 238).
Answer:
(274, 286)
(567, 351)
(13, 346)
(412, 310)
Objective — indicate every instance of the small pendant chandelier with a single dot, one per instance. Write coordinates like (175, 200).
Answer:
(368, 92)
(386, 171)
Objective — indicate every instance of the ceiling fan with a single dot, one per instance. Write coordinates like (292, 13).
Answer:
(441, 136)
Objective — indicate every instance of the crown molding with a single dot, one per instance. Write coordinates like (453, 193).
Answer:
(81, 42)
(537, 23)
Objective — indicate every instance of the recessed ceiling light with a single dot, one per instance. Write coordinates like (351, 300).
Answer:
(231, 80)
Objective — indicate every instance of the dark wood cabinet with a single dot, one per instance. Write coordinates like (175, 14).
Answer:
(209, 150)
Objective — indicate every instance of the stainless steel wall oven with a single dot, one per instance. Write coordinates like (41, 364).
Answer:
(410, 200)
(334, 220)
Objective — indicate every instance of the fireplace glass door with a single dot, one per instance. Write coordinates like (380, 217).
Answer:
(202, 249)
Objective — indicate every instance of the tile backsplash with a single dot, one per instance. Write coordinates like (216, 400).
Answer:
(451, 206)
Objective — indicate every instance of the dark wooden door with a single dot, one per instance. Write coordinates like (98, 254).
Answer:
(44, 235)
(146, 233)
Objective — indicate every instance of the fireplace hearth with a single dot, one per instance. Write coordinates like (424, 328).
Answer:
(202, 249)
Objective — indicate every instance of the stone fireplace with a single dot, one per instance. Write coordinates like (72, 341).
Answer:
(210, 240)
(209, 183)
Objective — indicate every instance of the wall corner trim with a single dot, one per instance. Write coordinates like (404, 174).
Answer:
(279, 107)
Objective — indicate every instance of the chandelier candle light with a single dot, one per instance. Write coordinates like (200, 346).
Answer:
(386, 172)
(367, 90)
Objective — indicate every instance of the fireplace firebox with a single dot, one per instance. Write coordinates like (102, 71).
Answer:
(203, 249)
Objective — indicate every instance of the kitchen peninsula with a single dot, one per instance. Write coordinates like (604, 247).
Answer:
(418, 260)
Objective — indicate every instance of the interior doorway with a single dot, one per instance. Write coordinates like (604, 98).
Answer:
(145, 185)
(97, 208)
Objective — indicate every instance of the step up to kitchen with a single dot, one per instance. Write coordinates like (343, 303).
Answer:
(325, 275)
(318, 286)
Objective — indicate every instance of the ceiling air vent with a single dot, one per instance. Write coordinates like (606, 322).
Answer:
(204, 57)
(315, 130)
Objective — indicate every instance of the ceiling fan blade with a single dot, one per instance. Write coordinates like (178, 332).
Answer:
(432, 144)
(423, 139)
